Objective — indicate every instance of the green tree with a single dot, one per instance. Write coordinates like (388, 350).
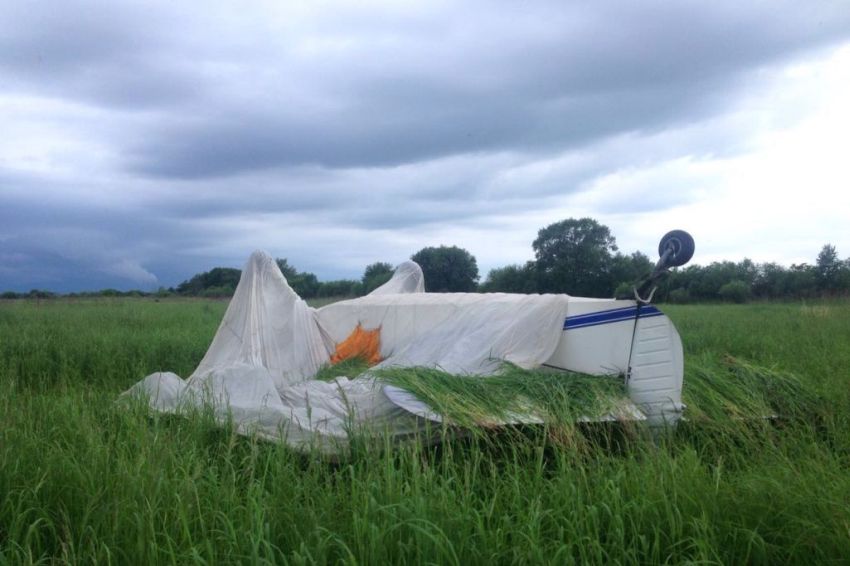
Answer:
(40, 294)
(626, 270)
(511, 279)
(704, 282)
(844, 276)
(447, 269)
(375, 275)
(802, 281)
(771, 281)
(339, 288)
(735, 291)
(575, 256)
(162, 292)
(306, 284)
(224, 279)
(288, 271)
(827, 269)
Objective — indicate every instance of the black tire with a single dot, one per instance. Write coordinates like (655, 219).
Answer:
(681, 245)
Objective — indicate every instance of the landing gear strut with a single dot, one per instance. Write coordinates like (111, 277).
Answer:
(675, 249)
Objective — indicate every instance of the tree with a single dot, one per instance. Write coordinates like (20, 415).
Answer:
(306, 284)
(40, 294)
(447, 269)
(376, 274)
(771, 281)
(575, 256)
(735, 291)
(827, 268)
(288, 271)
(626, 270)
(706, 281)
(802, 280)
(843, 278)
(511, 279)
(339, 288)
(224, 279)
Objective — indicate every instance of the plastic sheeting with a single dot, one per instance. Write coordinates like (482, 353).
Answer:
(407, 278)
(463, 333)
(267, 325)
(258, 370)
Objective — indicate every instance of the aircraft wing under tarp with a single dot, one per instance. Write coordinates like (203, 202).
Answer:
(617, 408)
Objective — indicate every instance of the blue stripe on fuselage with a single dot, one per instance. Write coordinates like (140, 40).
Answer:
(609, 316)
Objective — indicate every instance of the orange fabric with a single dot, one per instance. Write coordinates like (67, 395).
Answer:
(360, 343)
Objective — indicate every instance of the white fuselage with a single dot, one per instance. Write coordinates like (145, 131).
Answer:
(607, 336)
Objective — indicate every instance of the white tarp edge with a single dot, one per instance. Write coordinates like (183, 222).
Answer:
(407, 278)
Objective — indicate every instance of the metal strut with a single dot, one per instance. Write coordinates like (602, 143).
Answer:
(650, 285)
(650, 282)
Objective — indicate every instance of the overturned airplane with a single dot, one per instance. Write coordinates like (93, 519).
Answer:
(259, 370)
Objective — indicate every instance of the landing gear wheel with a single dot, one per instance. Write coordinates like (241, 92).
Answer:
(680, 245)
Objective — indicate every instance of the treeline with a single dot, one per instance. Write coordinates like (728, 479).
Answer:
(580, 257)
(446, 269)
(575, 256)
(222, 281)
(44, 294)
(743, 281)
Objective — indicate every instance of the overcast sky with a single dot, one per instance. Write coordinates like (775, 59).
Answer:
(143, 142)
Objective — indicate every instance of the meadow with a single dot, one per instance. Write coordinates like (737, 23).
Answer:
(85, 479)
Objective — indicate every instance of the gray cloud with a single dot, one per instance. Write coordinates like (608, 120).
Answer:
(384, 91)
(192, 134)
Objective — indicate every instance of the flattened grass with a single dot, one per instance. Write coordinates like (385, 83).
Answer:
(350, 368)
(510, 395)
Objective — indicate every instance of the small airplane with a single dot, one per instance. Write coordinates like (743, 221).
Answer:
(259, 371)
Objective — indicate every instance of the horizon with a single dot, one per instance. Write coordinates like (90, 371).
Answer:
(482, 279)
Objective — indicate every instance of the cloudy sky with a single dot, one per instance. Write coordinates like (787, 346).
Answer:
(143, 142)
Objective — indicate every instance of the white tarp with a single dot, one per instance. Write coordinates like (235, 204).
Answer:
(463, 333)
(259, 368)
(407, 278)
(267, 325)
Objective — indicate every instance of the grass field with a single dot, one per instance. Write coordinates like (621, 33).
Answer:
(83, 479)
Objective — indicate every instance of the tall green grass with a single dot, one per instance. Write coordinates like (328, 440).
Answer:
(83, 479)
